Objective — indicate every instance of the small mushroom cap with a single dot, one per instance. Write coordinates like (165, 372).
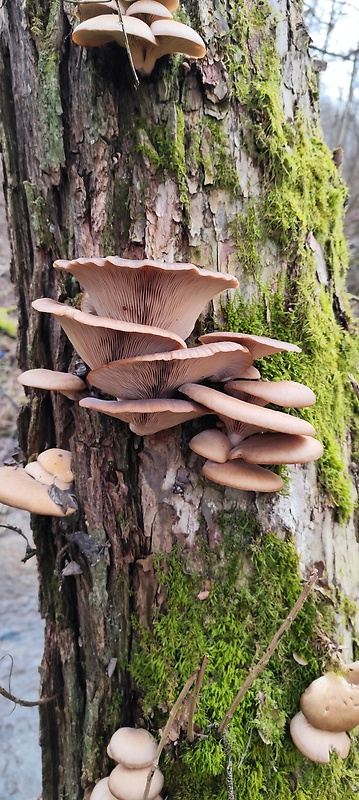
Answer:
(259, 346)
(278, 448)
(317, 745)
(130, 784)
(19, 490)
(91, 8)
(100, 30)
(331, 703)
(58, 462)
(150, 9)
(172, 5)
(147, 417)
(288, 394)
(134, 748)
(240, 475)
(40, 474)
(63, 382)
(212, 444)
(101, 791)
(173, 37)
(351, 673)
(252, 414)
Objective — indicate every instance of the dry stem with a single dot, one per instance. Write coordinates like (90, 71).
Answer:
(196, 691)
(26, 703)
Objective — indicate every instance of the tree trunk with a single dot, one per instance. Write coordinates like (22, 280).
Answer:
(218, 162)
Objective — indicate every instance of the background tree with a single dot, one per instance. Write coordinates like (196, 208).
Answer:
(219, 162)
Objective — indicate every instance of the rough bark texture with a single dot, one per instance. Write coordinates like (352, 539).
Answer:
(94, 167)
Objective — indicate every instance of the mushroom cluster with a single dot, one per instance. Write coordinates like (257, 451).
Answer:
(131, 332)
(42, 487)
(329, 708)
(134, 749)
(146, 26)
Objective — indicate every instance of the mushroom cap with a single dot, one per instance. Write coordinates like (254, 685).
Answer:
(212, 444)
(259, 346)
(147, 417)
(172, 5)
(249, 413)
(351, 673)
(160, 374)
(92, 8)
(134, 748)
(151, 10)
(99, 340)
(317, 745)
(99, 30)
(278, 448)
(58, 462)
(172, 37)
(63, 382)
(101, 791)
(331, 703)
(288, 394)
(168, 296)
(40, 474)
(129, 784)
(19, 490)
(241, 475)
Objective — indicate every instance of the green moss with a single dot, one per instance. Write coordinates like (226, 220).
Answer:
(164, 146)
(39, 217)
(255, 582)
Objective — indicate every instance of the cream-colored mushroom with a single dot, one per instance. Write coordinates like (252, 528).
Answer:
(63, 382)
(101, 30)
(40, 474)
(240, 475)
(20, 490)
(278, 448)
(331, 703)
(212, 444)
(315, 744)
(146, 417)
(172, 37)
(101, 791)
(58, 462)
(130, 784)
(134, 748)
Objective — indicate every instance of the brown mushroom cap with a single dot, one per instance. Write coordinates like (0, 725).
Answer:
(278, 448)
(19, 490)
(173, 37)
(40, 474)
(317, 745)
(211, 444)
(58, 462)
(259, 346)
(288, 394)
(101, 791)
(99, 340)
(249, 413)
(331, 703)
(147, 417)
(129, 784)
(168, 296)
(160, 374)
(134, 748)
(241, 475)
(63, 382)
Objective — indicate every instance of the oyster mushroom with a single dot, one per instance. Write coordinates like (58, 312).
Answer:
(278, 448)
(63, 382)
(130, 784)
(20, 490)
(259, 346)
(315, 744)
(147, 417)
(106, 28)
(331, 703)
(240, 475)
(134, 748)
(172, 37)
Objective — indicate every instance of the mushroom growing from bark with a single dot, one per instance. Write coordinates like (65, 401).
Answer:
(40, 474)
(91, 8)
(240, 475)
(63, 382)
(134, 748)
(259, 346)
(288, 394)
(101, 791)
(315, 744)
(147, 417)
(106, 28)
(331, 703)
(278, 448)
(172, 37)
(20, 490)
(130, 784)
(212, 444)
(149, 11)
(58, 462)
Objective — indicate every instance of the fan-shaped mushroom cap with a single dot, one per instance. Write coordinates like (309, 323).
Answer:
(148, 10)
(288, 394)
(249, 413)
(172, 5)
(316, 744)
(212, 444)
(130, 784)
(147, 417)
(58, 462)
(19, 490)
(168, 296)
(63, 382)
(134, 748)
(278, 448)
(100, 30)
(101, 791)
(259, 346)
(40, 474)
(241, 475)
(331, 703)
(160, 374)
(173, 37)
(99, 340)
(351, 673)
(92, 8)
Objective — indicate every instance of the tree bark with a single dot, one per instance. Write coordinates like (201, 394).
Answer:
(171, 171)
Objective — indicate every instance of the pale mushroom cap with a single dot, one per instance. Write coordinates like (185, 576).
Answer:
(90, 8)
(172, 5)
(58, 462)
(278, 448)
(288, 394)
(351, 673)
(134, 748)
(99, 340)
(249, 413)
(150, 9)
(19, 490)
(240, 475)
(168, 296)
(259, 346)
(40, 474)
(316, 744)
(129, 784)
(100, 30)
(331, 703)
(211, 444)
(63, 382)
(160, 374)
(175, 37)
(101, 791)
(147, 417)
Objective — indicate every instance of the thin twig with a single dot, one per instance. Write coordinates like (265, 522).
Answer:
(167, 728)
(26, 703)
(135, 76)
(30, 551)
(193, 702)
(269, 651)
(354, 384)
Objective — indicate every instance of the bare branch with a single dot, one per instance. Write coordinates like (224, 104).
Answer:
(26, 703)
(196, 691)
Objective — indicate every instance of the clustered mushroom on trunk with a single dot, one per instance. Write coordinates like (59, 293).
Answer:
(134, 750)
(132, 336)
